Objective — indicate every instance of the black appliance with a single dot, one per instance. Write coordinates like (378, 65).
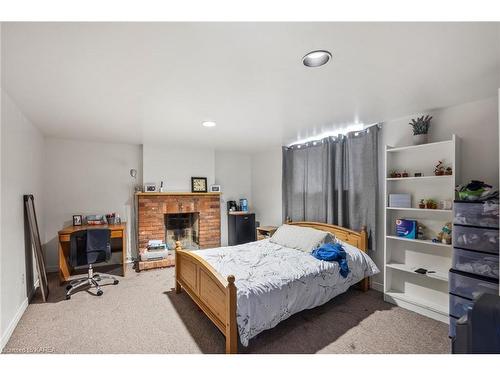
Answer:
(241, 228)
(232, 206)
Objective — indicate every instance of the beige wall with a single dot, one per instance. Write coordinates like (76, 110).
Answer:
(87, 178)
(233, 173)
(266, 186)
(22, 148)
(175, 165)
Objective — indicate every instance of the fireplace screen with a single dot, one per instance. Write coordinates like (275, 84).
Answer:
(183, 228)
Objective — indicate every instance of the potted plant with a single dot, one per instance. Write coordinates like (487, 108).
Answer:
(420, 128)
(431, 204)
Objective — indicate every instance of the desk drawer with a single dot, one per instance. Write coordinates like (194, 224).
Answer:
(116, 234)
(64, 238)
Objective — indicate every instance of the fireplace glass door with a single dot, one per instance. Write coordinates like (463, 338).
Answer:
(183, 227)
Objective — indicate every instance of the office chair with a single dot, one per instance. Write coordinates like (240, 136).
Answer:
(88, 247)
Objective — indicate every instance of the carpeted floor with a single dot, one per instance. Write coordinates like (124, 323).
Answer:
(143, 314)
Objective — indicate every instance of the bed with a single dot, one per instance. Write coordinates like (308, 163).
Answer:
(249, 288)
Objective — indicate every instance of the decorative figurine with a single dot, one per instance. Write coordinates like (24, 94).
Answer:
(421, 204)
(445, 235)
(439, 169)
(420, 231)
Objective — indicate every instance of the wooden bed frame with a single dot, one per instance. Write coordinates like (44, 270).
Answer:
(216, 296)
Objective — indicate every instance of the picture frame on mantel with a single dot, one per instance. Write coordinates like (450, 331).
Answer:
(199, 185)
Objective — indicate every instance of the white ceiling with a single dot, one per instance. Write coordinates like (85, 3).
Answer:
(156, 82)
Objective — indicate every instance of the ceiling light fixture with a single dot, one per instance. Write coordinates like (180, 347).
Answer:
(208, 124)
(316, 58)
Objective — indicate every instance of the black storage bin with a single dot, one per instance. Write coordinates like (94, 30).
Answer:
(241, 227)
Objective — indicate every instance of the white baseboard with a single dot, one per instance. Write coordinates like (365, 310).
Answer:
(379, 287)
(13, 324)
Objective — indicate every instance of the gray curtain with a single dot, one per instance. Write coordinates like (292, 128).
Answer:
(333, 181)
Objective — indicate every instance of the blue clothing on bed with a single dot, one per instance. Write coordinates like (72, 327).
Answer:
(333, 252)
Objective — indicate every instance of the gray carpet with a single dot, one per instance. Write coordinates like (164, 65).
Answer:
(142, 314)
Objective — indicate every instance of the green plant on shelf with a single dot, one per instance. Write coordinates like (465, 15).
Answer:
(421, 125)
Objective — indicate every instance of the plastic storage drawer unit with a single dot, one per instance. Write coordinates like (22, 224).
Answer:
(476, 262)
(483, 214)
(459, 306)
(474, 238)
(470, 286)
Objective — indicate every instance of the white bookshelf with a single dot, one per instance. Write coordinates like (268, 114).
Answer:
(425, 294)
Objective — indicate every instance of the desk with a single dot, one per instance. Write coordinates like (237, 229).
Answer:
(117, 231)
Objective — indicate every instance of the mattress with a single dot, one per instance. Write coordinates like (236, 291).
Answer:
(274, 282)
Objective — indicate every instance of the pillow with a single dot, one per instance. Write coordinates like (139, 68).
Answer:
(300, 238)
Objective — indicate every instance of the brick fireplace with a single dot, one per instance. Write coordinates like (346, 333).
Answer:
(168, 216)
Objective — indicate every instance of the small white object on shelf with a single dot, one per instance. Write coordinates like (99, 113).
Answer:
(400, 200)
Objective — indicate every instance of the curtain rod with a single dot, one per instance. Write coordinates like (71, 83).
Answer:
(321, 140)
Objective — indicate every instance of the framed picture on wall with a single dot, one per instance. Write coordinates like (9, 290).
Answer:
(198, 184)
(77, 220)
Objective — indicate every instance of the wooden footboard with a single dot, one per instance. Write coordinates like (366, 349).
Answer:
(217, 296)
(214, 295)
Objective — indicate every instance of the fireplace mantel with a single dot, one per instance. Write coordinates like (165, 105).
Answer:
(179, 194)
(153, 206)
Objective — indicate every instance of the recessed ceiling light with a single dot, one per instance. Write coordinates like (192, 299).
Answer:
(316, 58)
(208, 124)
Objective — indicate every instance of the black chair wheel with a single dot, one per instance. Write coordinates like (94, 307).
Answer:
(99, 292)
(115, 282)
(68, 297)
(69, 286)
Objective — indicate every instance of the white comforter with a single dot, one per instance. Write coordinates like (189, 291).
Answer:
(275, 282)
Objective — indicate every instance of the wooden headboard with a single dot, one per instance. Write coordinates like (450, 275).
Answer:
(357, 239)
